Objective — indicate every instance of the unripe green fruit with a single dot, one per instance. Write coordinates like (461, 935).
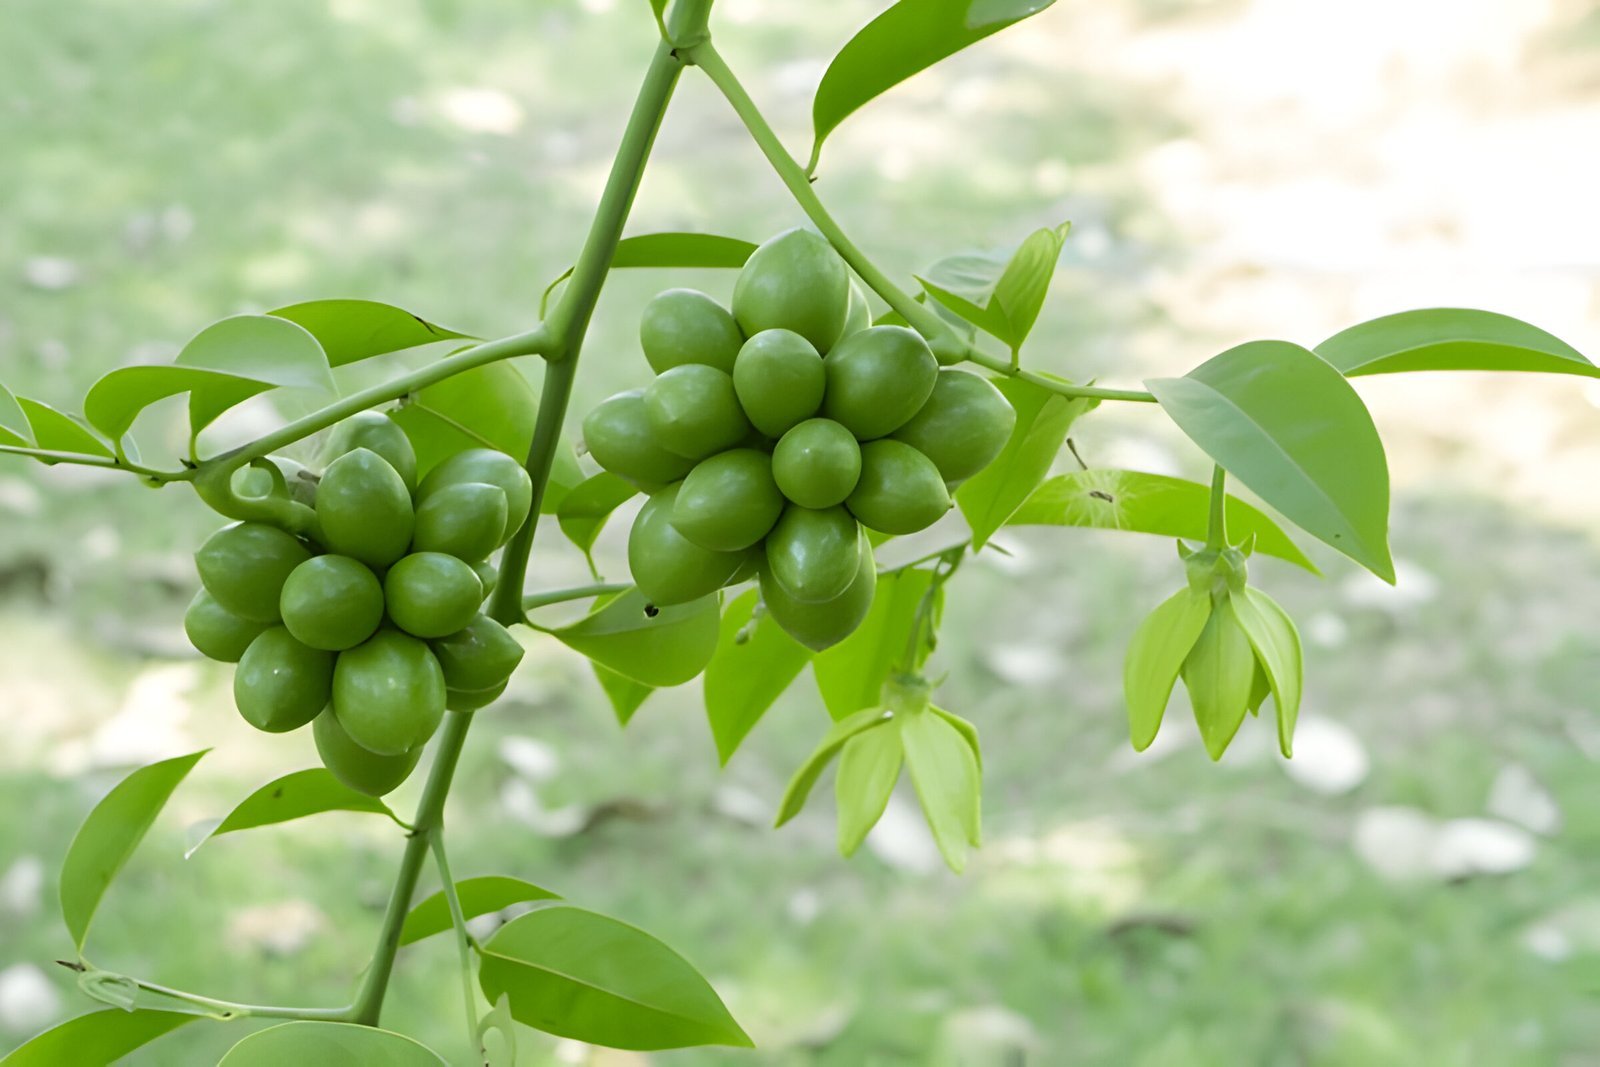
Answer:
(900, 491)
(281, 684)
(245, 565)
(814, 555)
(488, 465)
(754, 558)
(480, 655)
(218, 633)
(817, 463)
(430, 594)
(964, 425)
(878, 379)
(729, 501)
(472, 699)
(361, 770)
(794, 281)
(332, 603)
(379, 433)
(388, 693)
(667, 567)
(465, 520)
(859, 315)
(821, 626)
(779, 379)
(488, 574)
(364, 509)
(618, 435)
(694, 411)
(686, 326)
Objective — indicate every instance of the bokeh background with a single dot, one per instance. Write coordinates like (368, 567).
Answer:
(1419, 886)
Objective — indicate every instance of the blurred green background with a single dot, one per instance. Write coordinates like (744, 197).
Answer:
(1418, 887)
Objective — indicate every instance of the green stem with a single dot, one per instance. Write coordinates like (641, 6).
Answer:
(1217, 528)
(944, 341)
(463, 939)
(228, 1009)
(47, 455)
(534, 601)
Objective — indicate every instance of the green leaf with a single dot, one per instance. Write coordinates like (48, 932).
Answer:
(1020, 293)
(115, 401)
(667, 648)
(353, 330)
(800, 786)
(743, 679)
(625, 694)
(584, 509)
(100, 1037)
(1136, 502)
(13, 420)
(294, 796)
(1276, 641)
(1219, 673)
(491, 406)
(1451, 339)
(1155, 657)
(670, 249)
(989, 317)
(345, 1044)
(110, 834)
(1287, 424)
(948, 783)
(869, 765)
(850, 675)
(58, 432)
(584, 976)
(906, 39)
(478, 896)
(257, 352)
(989, 498)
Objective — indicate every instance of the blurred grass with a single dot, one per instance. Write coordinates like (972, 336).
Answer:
(191, 159)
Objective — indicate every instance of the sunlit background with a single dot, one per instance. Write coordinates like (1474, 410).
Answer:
(1421, 885)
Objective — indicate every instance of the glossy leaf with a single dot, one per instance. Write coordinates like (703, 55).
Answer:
(1451, 339)
(1219, 674)
(257, 352)
(625, 694)
(115, 401)
(948, 783)
(989, 498)
(906, 39)
(1286, 423)
(99, 1037)
(583, 510)
(800, 786)
(744, 678)
(346, 1044)
(1155, 656)
(850, 675)
(353, 330)
(1136, 502)
(478, 896)
(294, 796)
(587, 977)
(110, 834)
(669, 249)
(869, 766)
(988, 317)
(13, 420)
(489, 407)
(667, 648)
(58, 432)
(1022, 288)
(1276, 641)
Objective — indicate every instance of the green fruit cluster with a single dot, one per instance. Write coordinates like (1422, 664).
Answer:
(777, 432)
(370, 627)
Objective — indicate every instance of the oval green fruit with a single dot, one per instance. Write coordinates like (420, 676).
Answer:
(667, 567)
(464, 520)
(686, 326)
(900, 491)
(430, 594)
(216, 632)
(281, 684)
(364, 510)
(617, 434)
(378, 432)
(480, 655)
(821, 626)
(388, 693)
(245, 565)
(779, 379)
(814, 554)
(878, 379)
(729, 501)
(332, 603)
(964, 425)
(488, 574)
(859, 315)
(794, 281)
(361, 770)
(472, 699)
(488, 465)
(754, 559)
(694, 411)
(817, 463)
